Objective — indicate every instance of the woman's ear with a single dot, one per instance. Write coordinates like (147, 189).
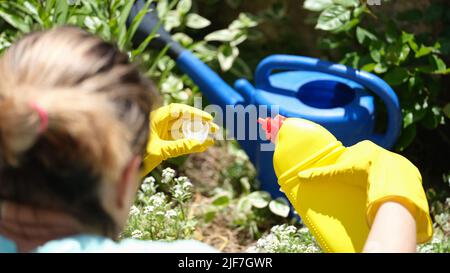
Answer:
(128, 184)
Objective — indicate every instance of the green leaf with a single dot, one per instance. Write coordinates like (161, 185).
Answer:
(172, 19)
(196, 21)
(221, 200)
(244, 205)
(396, 76)
(49, 5)
(408, 119)
(347, 3)
(317, 5)
(244, 21)
(184, 6)
(122, 24)
(351, 59)
(156, 60)
(172, 84)
(406, 138)
(415, 83)
(209, 216)
(357, 12)
(347, 26)
(438, 64)
(369, 67)
(61, 12)
(446, 110)
(397, 53)
(227, 55)
(33, 11)
(146, 42)
(364, 35)
(223, 35)
(279, 207)
(392, 32)
(183, 39)
(380, 68)
(330, 43)
(377, 50)
(423, 51)
(259, 199)
(333, 17)
(137, 21)
(407, 37)
(432, 118)
(14, 20)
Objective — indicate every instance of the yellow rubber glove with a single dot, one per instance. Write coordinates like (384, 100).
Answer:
(164, 123)
(337, 190)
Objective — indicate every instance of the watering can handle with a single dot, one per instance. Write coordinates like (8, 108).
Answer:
(368, 80)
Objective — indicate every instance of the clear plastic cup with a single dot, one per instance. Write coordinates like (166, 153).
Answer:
(195, 129)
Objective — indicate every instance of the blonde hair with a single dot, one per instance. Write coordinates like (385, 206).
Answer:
(97, 105)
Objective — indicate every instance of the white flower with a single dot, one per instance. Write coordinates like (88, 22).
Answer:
(303, 230)
(134, 211)
(148, 209)
(178, 192)
(252, 249)
(146, 188)
(183, 180)
(158, 199)
(171, 213)
(137, 234)
(291, 229)
(149, 180)
(167, 175)
(148, 185)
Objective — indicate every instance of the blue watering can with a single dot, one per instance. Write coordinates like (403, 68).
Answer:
(333, 95)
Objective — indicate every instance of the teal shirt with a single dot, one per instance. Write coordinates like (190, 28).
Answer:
(99, 244)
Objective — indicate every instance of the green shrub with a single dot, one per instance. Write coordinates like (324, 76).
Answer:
(412, 63)
(107, 18)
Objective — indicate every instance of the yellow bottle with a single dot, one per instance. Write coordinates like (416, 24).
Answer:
(337, 190)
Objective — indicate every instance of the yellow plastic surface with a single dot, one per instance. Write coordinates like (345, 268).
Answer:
(337, 190)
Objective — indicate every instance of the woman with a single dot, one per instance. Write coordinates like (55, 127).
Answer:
(73, 129)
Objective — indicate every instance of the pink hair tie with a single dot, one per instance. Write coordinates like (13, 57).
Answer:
(43, 117)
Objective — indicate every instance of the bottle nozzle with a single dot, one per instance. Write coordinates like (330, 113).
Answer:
(271, 126)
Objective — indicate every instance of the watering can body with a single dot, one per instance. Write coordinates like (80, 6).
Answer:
(336, 96)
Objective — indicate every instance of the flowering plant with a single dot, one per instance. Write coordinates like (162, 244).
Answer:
(286, 239)
(159, 214)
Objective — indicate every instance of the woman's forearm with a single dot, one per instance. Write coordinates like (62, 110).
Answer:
(393, 230)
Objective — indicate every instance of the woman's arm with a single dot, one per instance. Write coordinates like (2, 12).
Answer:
(393, 230)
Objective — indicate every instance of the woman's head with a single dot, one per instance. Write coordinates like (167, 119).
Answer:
(73, 123)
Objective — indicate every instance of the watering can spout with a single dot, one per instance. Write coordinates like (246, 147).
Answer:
(212, 86)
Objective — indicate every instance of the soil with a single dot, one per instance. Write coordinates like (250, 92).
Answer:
(204, 170)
